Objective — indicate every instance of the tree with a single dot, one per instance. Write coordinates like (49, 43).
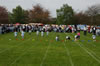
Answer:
(18, 15)
(94, 12)
(53, 20)
(3, 15)
(82, 18)
(39, 15)
(65, 15)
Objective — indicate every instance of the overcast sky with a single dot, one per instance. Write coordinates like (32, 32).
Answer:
(51, 5)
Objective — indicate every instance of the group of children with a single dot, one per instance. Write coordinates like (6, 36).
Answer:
(42, 33)
(16, 34)
(23, 33)
(77, 37)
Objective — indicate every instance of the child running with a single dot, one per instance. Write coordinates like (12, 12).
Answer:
(22, 34)
(42, 33)
(57, 38)
(94, 37)
(30, 32)
(77, 37)
(15, 34)
(37, 32)
(68, 38)
(78, 34)
(47, 33)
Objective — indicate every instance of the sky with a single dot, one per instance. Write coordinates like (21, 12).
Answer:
(51, 5)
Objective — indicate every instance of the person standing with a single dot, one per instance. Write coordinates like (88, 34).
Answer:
(37, 32)
(47, 32)
(94, 37)
(22, 34)
(42, 33)
(57, 38)
(94, 30)
(15, 34)
(85, 31)
(30, 31)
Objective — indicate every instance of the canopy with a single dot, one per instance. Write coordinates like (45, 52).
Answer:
(17, 24)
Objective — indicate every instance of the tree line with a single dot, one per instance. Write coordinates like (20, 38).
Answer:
(18, 15)
(65, 15)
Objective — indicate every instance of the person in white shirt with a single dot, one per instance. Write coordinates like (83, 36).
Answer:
(15, 34)
(42, 33)
(85, 31)
(57, 38)
(30, 32)
(72, 30)
(68, 38)
(94, 37)
(37, 32)
(76, 37)
(47, 32)
(94, 30)
(90, 30)
(22, 34)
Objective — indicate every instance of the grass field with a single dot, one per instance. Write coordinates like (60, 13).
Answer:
(45, 51)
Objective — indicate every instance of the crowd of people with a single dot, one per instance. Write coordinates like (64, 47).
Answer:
(49, 28)
(44, 28)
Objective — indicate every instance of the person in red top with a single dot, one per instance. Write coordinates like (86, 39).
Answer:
(78, 34)
(89, 29)
(77, 37)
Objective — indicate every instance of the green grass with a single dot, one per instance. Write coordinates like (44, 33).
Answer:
(45, 51)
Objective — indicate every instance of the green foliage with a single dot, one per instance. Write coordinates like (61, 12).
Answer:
(18, 15)
(53, 20)
(65, 15)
